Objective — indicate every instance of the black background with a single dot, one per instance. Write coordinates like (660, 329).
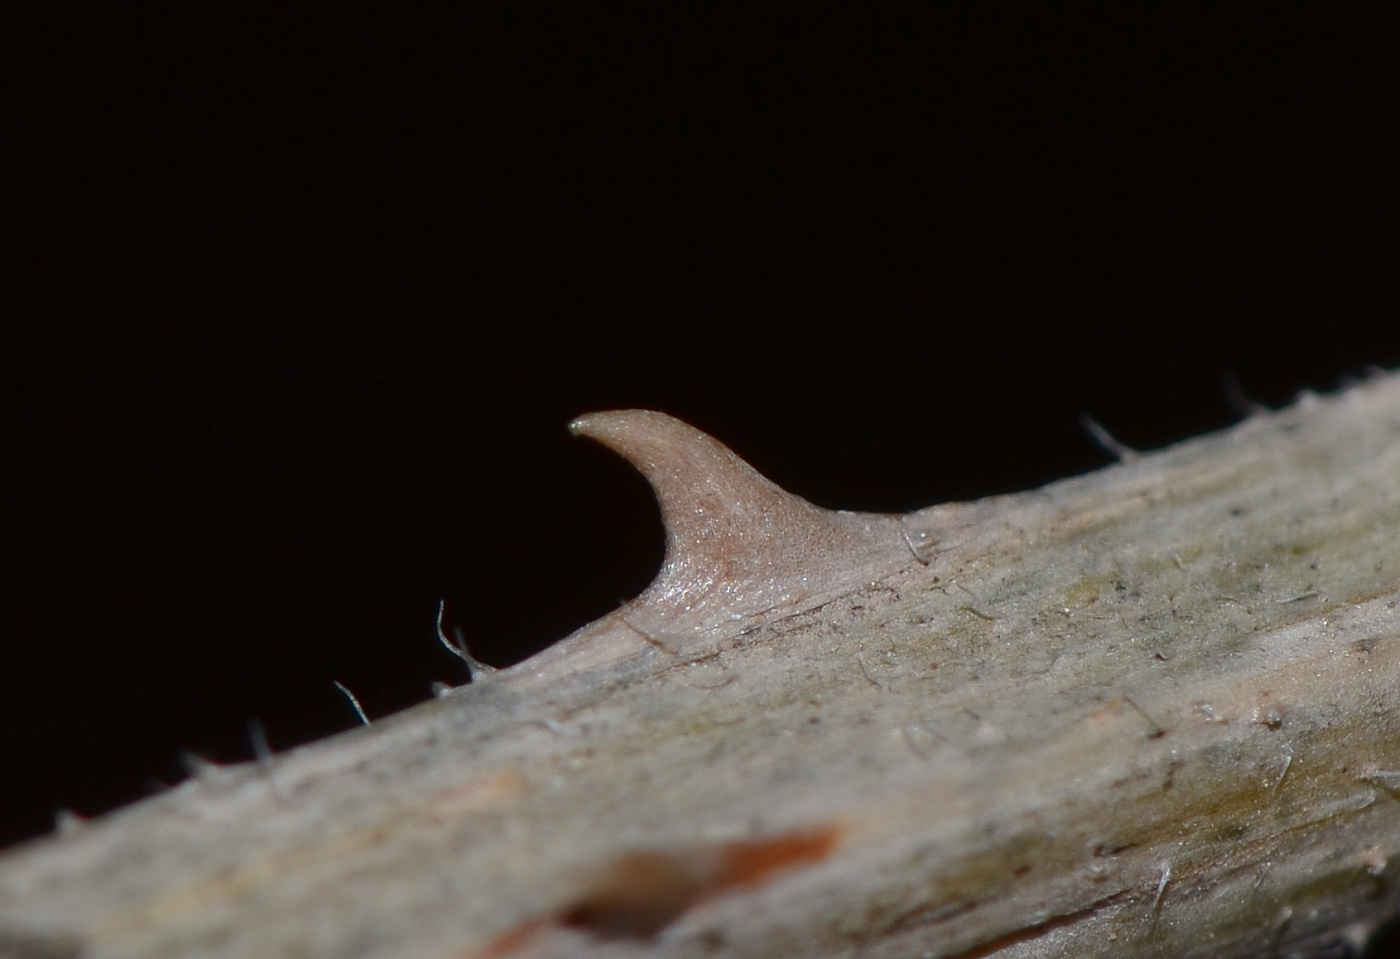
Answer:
(297, 311)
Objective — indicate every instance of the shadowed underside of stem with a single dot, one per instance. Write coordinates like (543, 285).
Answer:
(1149, 712)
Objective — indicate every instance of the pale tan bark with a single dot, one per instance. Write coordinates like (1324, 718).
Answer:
(1151, 711)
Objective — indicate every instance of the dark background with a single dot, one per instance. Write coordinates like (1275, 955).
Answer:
(296, 313)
